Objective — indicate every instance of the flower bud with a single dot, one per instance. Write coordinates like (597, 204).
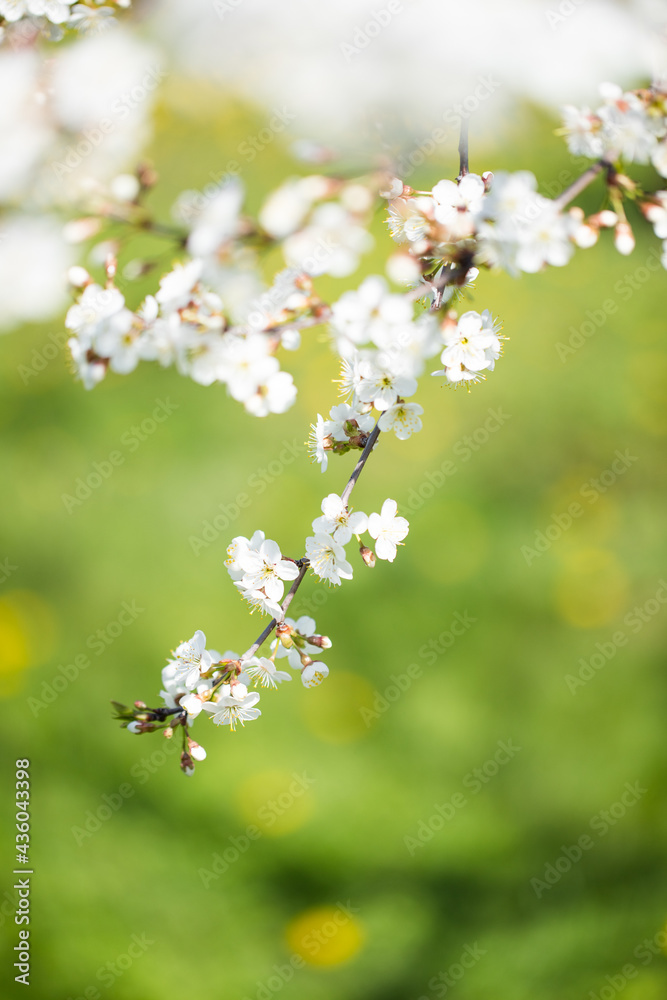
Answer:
(187, 764)
(604, 219)
(624, 239)
(78, 276)
(367, 555)
(321, 641)
(391, 188)
(197, 752)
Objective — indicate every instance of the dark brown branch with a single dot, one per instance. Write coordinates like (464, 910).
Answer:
(261, 639)
(463, 149)
(351, 483)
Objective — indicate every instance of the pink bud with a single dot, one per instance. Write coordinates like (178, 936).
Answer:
(367, 555)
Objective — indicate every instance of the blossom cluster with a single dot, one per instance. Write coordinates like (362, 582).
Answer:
(198, 680)
(630, 125)
(52, 17)
(184, 324)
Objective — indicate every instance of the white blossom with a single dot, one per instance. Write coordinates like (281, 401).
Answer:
(263, 671)
(233, 705)
(338, 521)
(403, 419)
(317, 444)
(388, 530)
(265, 569)
(327, 558)
(314, 673)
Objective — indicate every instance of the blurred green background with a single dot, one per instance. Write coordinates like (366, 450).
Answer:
(332, 863)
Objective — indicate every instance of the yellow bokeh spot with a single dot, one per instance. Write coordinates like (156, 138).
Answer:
(591, 588)
(325, 935)
(277, 802)
(333, 711)
(464, 540)
(28, 632)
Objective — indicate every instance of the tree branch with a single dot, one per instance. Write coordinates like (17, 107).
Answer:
(581, 183)
(463, 149)
(304, 563)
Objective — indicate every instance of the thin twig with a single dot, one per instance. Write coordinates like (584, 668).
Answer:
(463, 149)
(351, 483)
(304, 563)
(285, 605)
(570, 193)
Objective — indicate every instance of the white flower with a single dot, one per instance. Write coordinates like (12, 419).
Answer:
(314, 674)
(273, 396)
(388, 530)
(264, 672)
(90, 372)
(337, 521)
(317, 442)
(265, 569)
(403, 419)
(342, 414)
(474, 341)
(365, 314)
(520, 229)
(327, 558)
(191, 659)
(218, 221)
(237, 547)
(628, 130)
(247, 364)
(53, 10)
(286, 208)
(258, 601)
(408, 219)
(582, 130)
(381, 386)
(176, 286)
(331, 244)
(455, 204)
(91, 314)
(234, 705)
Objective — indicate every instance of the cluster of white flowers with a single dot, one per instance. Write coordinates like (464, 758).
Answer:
(184, 324)
(631, 125)
(52, 17)
(325, 549)
(322, 223)
(197, 680)
(492, 221)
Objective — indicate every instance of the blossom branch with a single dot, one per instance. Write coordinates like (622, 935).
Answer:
(304, 563)
(261, 639)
